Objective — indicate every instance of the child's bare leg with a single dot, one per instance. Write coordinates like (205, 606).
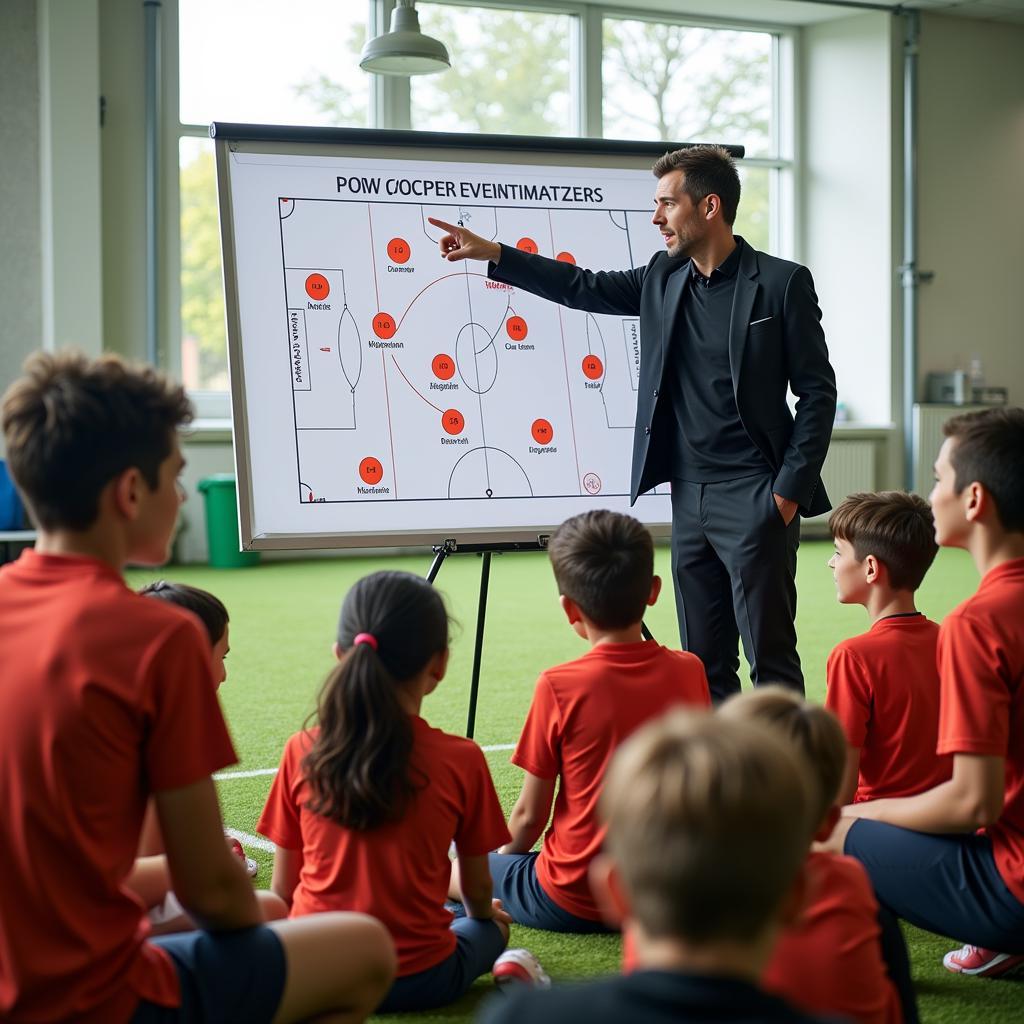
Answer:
(455, 883)
(339, 967)
(272, 906)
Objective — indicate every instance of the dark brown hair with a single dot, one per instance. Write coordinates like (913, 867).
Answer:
(708, 823)
(71, 425)
(604, 562)
(894, 526)
(707, 170)
(989, 449)
(208, 609)
(358, 767)
(814, 731)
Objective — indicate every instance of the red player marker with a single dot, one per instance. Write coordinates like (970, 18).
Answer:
(453, 421)
(527, 245)
(317, 287)
(593, 368)
(371, 470)
(542, 432)
(443, 366)
(398, 250)
(384, 325)
(516, 327)
(566, 257)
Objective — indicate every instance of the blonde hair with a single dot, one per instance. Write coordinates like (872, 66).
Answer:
(813, 730)
(708, 822)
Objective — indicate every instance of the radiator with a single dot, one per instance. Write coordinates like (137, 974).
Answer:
(851, 465)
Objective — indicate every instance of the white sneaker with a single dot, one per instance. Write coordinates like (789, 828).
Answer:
(520, 965)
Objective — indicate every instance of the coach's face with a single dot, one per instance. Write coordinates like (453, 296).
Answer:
(682, 223)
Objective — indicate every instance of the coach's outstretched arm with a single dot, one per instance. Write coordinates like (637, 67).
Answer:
(462, 244)
(606, 291)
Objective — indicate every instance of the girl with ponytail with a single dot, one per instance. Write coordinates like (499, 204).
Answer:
(367, 804)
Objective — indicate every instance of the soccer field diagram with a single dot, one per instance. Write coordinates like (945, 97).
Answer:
(418, 379)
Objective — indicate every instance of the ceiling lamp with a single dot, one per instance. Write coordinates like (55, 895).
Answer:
(405, 50)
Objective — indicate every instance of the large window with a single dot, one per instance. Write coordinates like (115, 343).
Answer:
(536, 69)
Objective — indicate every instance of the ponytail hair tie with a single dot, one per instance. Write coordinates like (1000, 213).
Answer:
(365, 638)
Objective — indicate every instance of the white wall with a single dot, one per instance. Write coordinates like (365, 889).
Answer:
(847, 201)
(971, 199)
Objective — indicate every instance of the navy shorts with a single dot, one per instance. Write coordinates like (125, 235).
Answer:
(225, 977)
(947, 884)
(514, 877)
(477, 945)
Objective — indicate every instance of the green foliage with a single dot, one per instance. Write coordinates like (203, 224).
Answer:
(496, 83)
(202, 293)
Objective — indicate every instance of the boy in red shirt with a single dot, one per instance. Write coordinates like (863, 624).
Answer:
(107, 698)
(838, 958)
(581, 711)
(951, 859)
(883, 685)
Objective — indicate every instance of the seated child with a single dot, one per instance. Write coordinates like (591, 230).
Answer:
(831, 960)
(107, 700)
(951, 859)
(366, 805)
(884, 684)
(708, 824)
(167, 915)
(581, 711)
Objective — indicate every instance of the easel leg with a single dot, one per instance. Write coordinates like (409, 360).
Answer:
(485, 575)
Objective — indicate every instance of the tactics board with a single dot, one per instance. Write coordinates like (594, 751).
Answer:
(384, 396)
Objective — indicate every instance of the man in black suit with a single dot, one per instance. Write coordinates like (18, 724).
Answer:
(724, 331)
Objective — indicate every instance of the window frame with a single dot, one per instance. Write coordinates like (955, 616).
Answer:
(390, 107)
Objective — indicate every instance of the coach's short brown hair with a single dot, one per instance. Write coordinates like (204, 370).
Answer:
(71, 425)
(604, 562)
(894, 526)
(812, 729)
(707, 170)
(708, 823)
(989, 449)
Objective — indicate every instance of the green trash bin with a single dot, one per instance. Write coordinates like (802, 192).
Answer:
(222, 523)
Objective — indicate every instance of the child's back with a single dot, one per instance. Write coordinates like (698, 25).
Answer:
(883, 686)
(399, 871)
(581, 712)
(94, 675)
(830, 960)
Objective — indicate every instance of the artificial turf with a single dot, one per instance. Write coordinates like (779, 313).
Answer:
(283, 619)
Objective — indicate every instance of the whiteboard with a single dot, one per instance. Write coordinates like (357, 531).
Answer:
(382, 396)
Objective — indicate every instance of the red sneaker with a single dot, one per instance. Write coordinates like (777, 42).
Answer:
(980, 962)
(520, 965)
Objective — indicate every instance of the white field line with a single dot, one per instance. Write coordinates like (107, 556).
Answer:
(253, 773)
(248, 840)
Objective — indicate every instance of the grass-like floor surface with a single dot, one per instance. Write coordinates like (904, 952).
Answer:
(283, 619)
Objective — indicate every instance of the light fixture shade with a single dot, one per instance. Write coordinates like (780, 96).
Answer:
(405, 50)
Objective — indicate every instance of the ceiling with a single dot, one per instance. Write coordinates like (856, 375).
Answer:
(809, 12)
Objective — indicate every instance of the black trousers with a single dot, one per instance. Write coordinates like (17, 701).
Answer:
(734, 566)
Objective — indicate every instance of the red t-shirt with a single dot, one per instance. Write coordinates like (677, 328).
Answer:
(581, 712)
(884, 687)
(105, 697)
(830, 961)
(981, 664)
(399, 872)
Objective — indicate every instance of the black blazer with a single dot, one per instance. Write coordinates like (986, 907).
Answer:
(775, 342)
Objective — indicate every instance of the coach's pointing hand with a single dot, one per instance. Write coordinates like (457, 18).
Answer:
(461, 244)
